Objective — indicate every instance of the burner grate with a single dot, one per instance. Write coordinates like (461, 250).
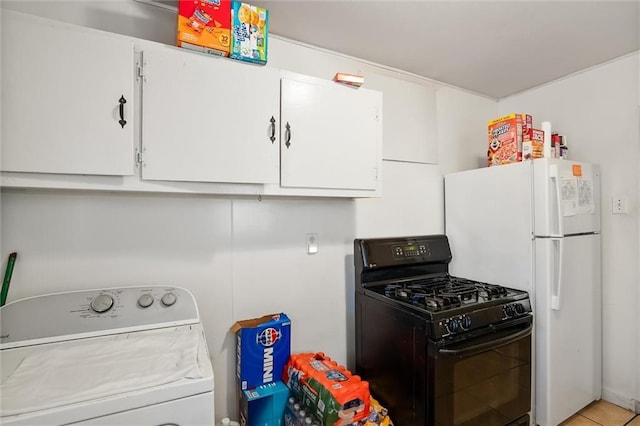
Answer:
(491, 291)
(443, 292)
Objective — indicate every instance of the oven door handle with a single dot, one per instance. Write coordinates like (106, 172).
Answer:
(486, 345)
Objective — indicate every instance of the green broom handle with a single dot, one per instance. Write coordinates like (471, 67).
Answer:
(7, 278)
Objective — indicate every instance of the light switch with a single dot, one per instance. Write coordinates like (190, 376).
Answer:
(312, 243)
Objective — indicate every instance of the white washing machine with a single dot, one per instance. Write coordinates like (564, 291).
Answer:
(120, 356)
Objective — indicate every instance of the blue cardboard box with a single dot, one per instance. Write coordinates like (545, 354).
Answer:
(264, 405)
(263, 348)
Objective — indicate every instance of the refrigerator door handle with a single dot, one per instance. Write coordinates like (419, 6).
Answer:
(557, 288)
(554, 175)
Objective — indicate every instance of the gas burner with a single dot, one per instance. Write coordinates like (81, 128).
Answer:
(435, 303)
(390, 290)
(443, 292)
(491, 291)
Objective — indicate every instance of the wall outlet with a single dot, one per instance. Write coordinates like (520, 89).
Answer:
(619, 204)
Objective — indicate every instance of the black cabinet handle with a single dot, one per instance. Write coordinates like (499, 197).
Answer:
(287, 135)
(273, 129)
(122, 102)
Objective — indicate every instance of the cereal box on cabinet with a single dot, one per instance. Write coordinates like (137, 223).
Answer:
(205, 26)
(249, 32)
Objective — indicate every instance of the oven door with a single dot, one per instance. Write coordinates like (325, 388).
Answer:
(484, 380)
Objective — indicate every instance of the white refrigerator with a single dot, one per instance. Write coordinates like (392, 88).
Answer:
(535, 226)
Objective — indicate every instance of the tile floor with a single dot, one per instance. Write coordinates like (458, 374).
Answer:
(605, 414)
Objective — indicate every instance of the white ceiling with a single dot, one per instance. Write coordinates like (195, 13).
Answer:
(496, 48)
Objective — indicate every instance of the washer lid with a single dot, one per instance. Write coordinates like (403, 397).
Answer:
(57, 375)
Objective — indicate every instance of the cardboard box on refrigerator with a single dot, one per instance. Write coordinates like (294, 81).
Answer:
(505, 140)
(533, 145)
(263, 348)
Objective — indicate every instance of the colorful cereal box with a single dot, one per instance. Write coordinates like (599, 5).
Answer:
(205, 26)
(263, 348)
(505, 140)
(249, 32)
(533, 144)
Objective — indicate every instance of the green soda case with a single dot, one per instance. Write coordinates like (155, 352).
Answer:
(310, 398)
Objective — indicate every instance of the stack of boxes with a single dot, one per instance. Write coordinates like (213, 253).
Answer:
(263, 348)
(512, 139)
(224, 28)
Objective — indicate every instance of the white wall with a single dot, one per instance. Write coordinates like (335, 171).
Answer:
(598, 110)
(239, 256)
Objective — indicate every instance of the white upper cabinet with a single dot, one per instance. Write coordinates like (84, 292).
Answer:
(208, 119)
(67, 99)
(410, 119)
(86, 109)
(331, 135)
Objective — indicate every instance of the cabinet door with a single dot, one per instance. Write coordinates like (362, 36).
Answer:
(61, 87)
(330, 135)
(410, 122)
(208, 119)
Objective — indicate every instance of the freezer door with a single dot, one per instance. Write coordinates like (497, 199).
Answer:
(488, 220)
(566, 197)
(567, 317)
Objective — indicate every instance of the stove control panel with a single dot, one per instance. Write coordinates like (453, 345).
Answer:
(482, 317)
(410, 250)
(378, 253)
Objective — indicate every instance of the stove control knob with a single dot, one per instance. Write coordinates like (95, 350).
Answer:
(465, 322)
(168, 299)
(102, 303)
(145, 300)
(519, 308)
(453, 325)
(508, 311)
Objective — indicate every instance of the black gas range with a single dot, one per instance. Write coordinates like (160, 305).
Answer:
(438, 349)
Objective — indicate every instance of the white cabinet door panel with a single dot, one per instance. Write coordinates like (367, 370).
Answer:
(410, 120)
(207, 119)
(334, 136)
(61, 87)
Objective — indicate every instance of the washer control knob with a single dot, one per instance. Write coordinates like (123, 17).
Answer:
(102, 303)
(168, 299)
(519, 308)
(145, 300)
